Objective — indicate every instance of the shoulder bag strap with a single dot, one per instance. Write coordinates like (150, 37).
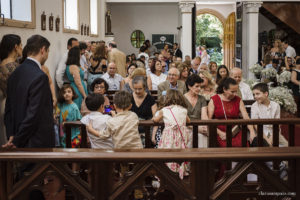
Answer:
(178, 128)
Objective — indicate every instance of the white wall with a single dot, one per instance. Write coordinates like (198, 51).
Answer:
(224, 9)
(59, 39)
(150, 18)
(265, 24)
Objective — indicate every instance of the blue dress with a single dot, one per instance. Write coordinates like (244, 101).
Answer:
(69, 112)
(78, 101)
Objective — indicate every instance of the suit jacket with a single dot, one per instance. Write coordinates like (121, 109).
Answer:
(119, 58)
(164, 86)
(29, 109)
(178, 53)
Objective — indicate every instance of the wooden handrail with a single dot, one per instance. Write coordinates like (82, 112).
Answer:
(83, 154)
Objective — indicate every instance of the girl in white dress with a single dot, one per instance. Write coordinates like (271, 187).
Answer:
(175, 134)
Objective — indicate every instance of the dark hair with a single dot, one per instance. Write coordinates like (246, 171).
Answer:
(100, 51)
(122, 99)
(192, 80)
(218, 74)
(8, 44)
(143, 48)
(275, 61)
(98, 81)
(174, 97)
(152, 67)
(73, 56)
(35, 43)
(94, 101)
(93, 42)
(131, 64)
(112, 45)
(61, 92)
(70, 41)
(298, 61)
(225, 83)
(263, 87)
(82, 45)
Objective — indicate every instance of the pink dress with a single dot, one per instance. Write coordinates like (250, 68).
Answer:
(172, 138)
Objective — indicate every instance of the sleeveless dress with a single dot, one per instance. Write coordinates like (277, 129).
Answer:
(295, 87)
(232, 109)
(78, 101)
(172, 138)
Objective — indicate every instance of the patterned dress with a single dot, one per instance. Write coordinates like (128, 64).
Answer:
(69, 112)
(78, 101)
(174, 137)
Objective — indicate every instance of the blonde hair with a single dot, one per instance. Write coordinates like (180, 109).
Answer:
(138, 72)
(211, 83)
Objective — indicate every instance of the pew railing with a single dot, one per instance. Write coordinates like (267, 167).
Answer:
(103, 184)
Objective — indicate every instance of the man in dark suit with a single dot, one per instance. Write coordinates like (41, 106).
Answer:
(29, 110)
(177, 51)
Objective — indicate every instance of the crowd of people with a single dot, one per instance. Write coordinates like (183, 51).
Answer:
(88, 70)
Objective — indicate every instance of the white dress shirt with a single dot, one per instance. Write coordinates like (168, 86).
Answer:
(290, 52)
(60, 70)
(114, 83)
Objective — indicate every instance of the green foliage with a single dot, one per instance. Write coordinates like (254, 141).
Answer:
(209, 31)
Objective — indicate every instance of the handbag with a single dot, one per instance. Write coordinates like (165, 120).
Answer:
(236, 129)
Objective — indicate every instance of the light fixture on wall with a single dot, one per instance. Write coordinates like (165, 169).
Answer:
(179, 28)
(57, 23)
(51, 19)
(43, 21)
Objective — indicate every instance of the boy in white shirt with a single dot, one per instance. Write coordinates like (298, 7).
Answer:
(95, 103)
(263, 108)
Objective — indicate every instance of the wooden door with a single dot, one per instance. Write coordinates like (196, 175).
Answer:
(229, 41)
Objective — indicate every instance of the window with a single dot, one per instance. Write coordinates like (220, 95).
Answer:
(137, 38)
(18, 13)
(94, 17)
(71, 16)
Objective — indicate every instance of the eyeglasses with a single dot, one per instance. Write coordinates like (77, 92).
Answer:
(99, 87)
(172, 74)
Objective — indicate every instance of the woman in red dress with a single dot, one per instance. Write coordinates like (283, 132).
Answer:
(227, 105)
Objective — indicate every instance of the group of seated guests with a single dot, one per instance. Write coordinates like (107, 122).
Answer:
(183, 89)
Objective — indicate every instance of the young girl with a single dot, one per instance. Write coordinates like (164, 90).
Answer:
(175, 134)
(68, 112)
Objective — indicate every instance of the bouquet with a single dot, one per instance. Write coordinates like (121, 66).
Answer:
(256, 69)
(284, 98)
(269, 73)
(284, 77)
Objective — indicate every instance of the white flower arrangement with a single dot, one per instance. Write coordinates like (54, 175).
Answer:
(269, 73)
(284, 77)
(284, 98)
(256, 69)
(251, 83)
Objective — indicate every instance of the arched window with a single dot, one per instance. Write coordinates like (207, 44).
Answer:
(137, 38)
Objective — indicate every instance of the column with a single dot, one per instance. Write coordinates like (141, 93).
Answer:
(252, 12)
(186, 34)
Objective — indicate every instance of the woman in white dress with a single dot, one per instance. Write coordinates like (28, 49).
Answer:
(156, 76)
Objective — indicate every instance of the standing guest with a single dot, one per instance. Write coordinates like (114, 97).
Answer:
(184, 71)
(60, 74)
(28, 113)
(165, 52)
(172, 82)
(222, 72)
(95, 70)
(68, 112)
(114, 80)
(123, 126)
(93, 46)
(244, 91)
(143, 50)
(207, 87)
(151, 48)
(130, 69)
(75, 74)
(10, 50)
(101, 53)
(99, 86)
(197, 106)
(187, 58)
(118, 57)
(212, 66)
(133, 58)
(289, 50)
(177, 51)
(156, 76)
(295, 80)
(205, 58)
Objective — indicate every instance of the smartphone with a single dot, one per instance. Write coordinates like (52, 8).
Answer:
(107, 109)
